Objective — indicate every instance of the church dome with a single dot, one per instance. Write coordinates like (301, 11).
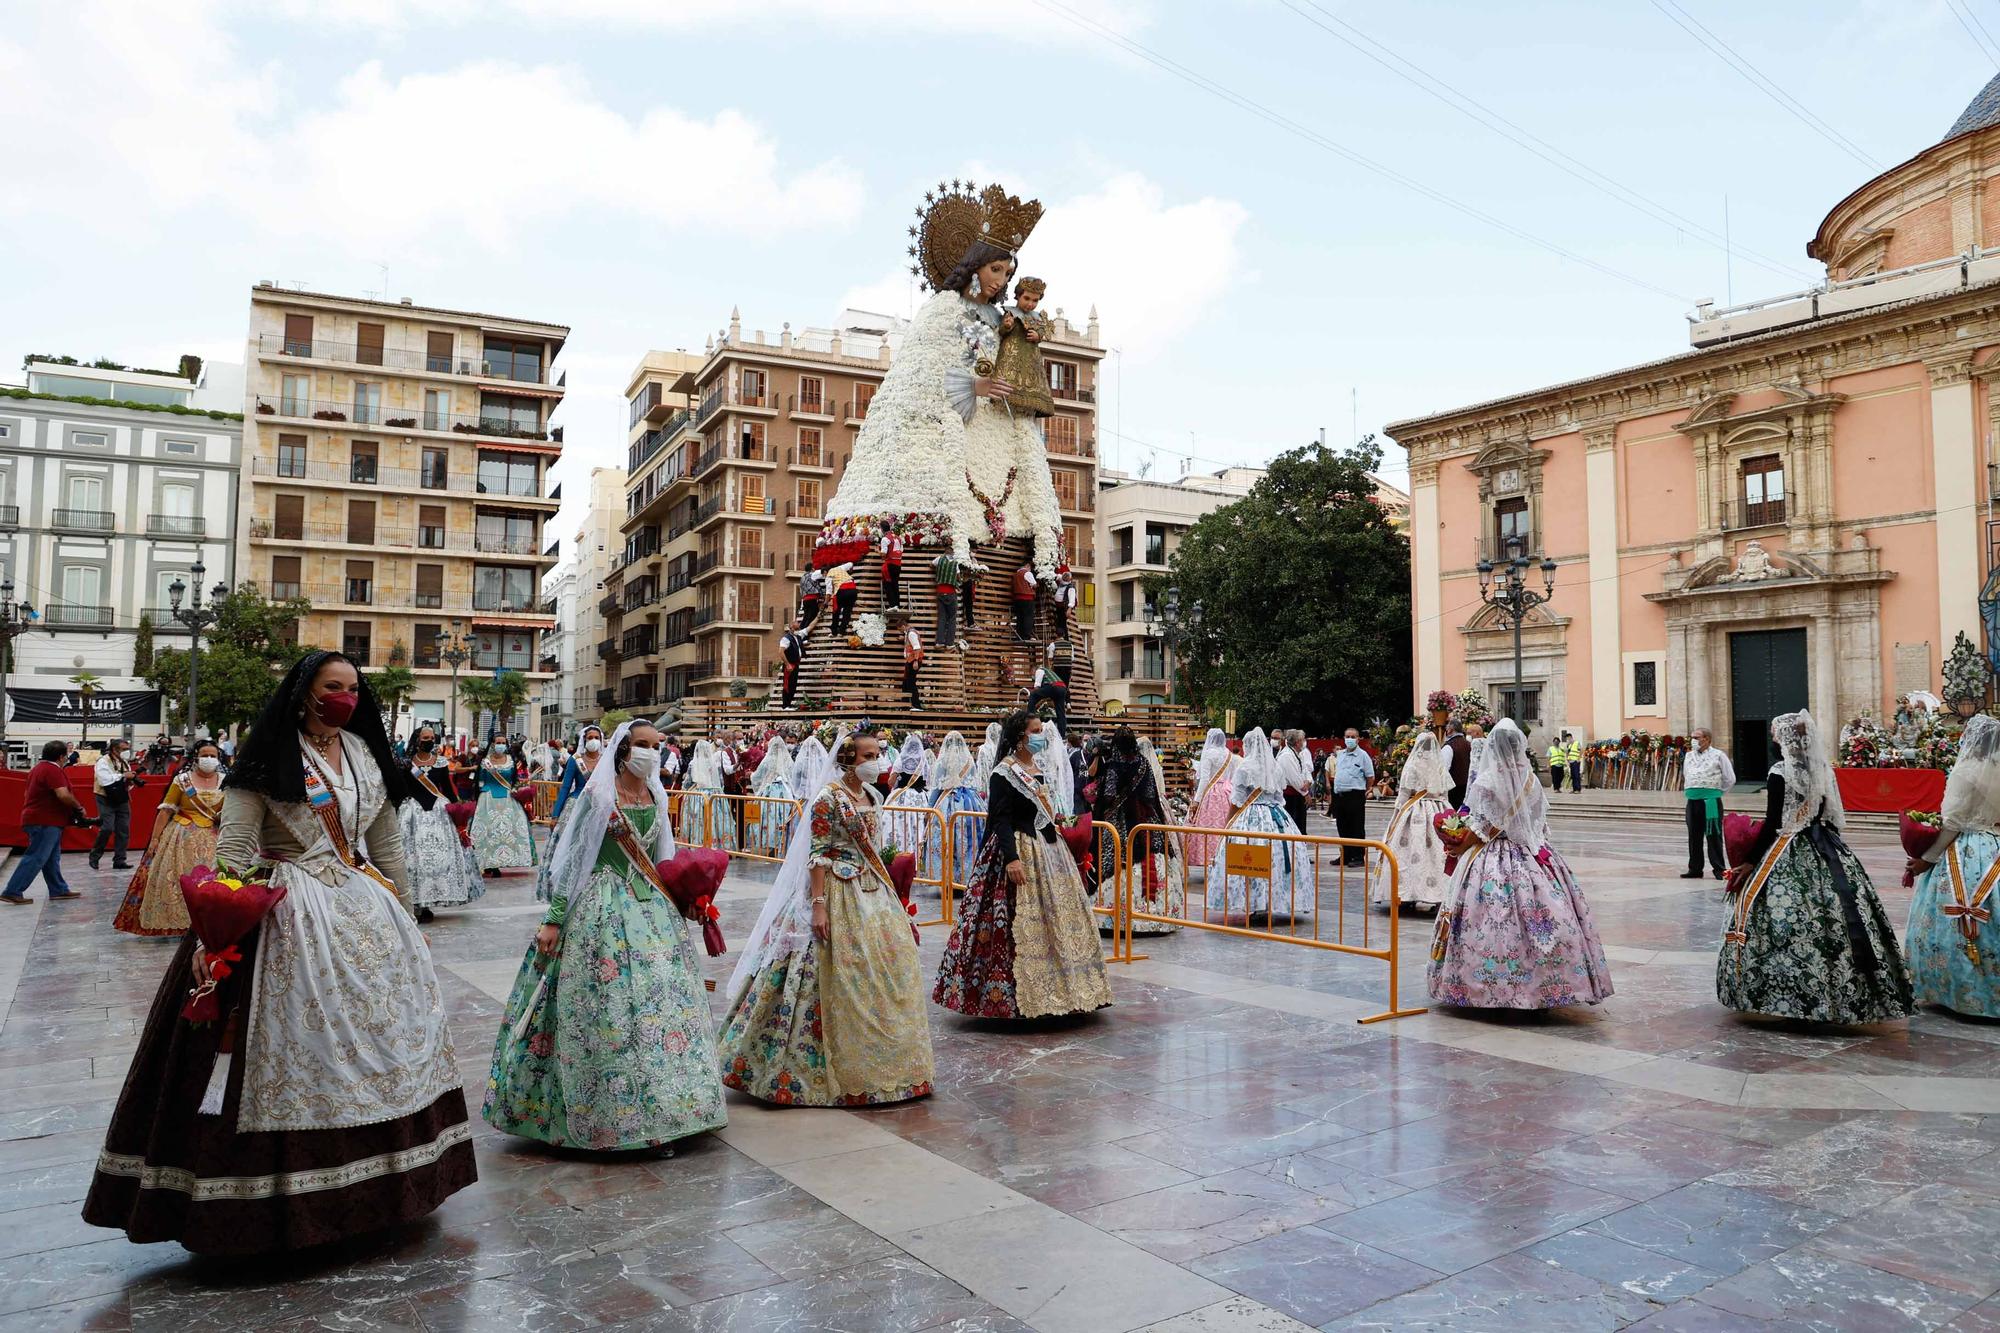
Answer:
(1981, 111)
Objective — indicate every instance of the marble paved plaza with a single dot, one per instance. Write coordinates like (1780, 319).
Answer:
(1226, 1149)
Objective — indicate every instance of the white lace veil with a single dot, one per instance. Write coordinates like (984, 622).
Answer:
(589, 815)
(954, 763)
(705, 769)
(1809, 785)
(1152, 758)
(1214, 754)
(1507, 796)
(1061, 778)
(776, 765)
(1256, 771)
(989, 755)
(909, 759)
(784, 926)
(1972, 793)
(1424, 770)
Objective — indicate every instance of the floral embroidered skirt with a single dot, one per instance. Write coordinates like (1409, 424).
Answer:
(153, 904)
(501, 836)
(1212, 811)
(839, 1023)
(1516, 933)
(1941, 966)
(619, 1051)
(170, 1172)
(1024, 952)
(1797, 960)
(1419, 856)
(773, 829)
(443, 870)
(1287, 892)
(966, 834)
(1159, 884)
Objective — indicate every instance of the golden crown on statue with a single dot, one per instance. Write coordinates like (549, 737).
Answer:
(953, 217)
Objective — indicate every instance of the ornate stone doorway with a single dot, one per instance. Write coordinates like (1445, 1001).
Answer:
(1767, 676)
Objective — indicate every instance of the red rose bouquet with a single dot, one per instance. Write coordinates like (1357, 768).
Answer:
(1920, 830)
(1081, 837)
(223, 907)
(1454, 832)
(902, 878)
(691, 876)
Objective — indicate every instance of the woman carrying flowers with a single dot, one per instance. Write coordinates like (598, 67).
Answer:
(183, 837)
(1954, 948)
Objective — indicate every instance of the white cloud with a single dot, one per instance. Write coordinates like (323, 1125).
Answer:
(896, 293)
(926, 17)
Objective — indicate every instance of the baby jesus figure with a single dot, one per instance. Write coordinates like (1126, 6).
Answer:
(1020, 362)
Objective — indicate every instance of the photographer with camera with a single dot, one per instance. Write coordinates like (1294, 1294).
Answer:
(113, 780)
(48, 808)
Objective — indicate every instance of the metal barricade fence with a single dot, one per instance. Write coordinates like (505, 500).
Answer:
(1255, 875)
(545, 800)
(753, 827)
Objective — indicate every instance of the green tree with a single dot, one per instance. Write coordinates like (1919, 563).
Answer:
(1305, 597)
(394, 685)
(142, 646)
(87, 683)
(263, 628)
(613, 719)
(235, 683)
(503, 696)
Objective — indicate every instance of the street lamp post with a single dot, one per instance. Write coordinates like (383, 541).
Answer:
(453, 652)
(197, 618)
(1513, 599)
(1178, 624)
(14, 622)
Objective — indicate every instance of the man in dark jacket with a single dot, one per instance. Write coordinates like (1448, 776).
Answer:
(1458, 756)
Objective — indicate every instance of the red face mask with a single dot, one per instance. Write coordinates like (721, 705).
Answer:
(336, 709)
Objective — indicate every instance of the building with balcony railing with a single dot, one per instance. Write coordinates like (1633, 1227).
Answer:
(114, 482)
(405, 450)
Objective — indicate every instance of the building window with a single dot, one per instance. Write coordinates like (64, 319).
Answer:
(360, 522)
(284, 577)
(1156, 544)
(751, 490)
(437, 409)
(1763, 481)
(1062, 379)
(808, 506)
(749, 654)
(367, 404)
(812, 398)
(430, 527)
(295, 395)
(518, 361)
(298, 335)
(85, 494)
(1645, 684)
(1059, 433)
(749, 600)
(368, 344)
(355, 640)
(424, 652)
(362, 459)
(511, 416)
(513, 649)
(750, 547)
(1065, 481)
(809, 447)
(360, 582)
(291, 455)
(1510, 522)
(511, 534)
(430, 586)
(508, 474)
(434, 474)
(1529, 711)
(502, 588)
(437, 353)
(802, 550)
(1127, 655)
(753, 387)
(864, 394)
(178, 448)
(288, 520)
(753, 442)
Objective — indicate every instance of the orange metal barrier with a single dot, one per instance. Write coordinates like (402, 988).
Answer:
(751, 827)
(545, 800)
(1243, 863)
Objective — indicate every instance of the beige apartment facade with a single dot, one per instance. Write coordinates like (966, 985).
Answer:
(396, 475)
(595, 549)
(732, 463)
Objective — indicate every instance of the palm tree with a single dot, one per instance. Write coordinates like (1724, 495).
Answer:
(87, 684)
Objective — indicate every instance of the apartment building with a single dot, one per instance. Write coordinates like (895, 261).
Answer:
(559, 599)
(398, 460)
(596, 547)
(729, 484)
(104, 505)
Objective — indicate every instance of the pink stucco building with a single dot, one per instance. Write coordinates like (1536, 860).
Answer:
(1795, 512)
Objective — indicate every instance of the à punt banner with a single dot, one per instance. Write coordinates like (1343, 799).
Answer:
(112, 707)
(1890, 791)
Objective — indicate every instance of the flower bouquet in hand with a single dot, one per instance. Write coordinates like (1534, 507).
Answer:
(691, 877)
(223, 907)
(1739, 835)
(902, 878)
(1920, 830)
(1455, 832)
(1081, 837)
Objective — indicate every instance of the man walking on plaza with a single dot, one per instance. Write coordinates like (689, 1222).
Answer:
(1706, 773)
(112, 781)
(47, 808)
(1348, 773)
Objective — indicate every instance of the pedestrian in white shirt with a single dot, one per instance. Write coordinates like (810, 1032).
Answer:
(113, 780)
(1295, 766)
(1349, 772)
(1706, 773)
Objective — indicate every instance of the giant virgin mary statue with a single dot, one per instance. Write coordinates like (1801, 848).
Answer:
(942, 458)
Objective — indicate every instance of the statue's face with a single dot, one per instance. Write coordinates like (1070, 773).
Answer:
(992, 276)
(1028, 301)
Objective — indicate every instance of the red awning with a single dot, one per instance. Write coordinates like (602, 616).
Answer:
(540, 448)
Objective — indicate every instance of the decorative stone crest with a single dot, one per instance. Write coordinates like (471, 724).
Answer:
(1753, 565)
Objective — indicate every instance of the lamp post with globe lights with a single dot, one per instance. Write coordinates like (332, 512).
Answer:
(1513, 599)
(197, 617)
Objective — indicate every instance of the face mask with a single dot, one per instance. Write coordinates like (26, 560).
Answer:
(871, 770)
(499, 749)
(424, 745)
(1038, 742)
(592, 746)
(335, 709)
(642, 763)
(208, 763)
(1350, 742)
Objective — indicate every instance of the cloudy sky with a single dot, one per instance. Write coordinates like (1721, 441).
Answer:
(1291, 214)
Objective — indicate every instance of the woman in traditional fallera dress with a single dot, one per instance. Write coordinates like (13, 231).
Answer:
(1806, 936)
(443, 870)
(1128, 795)
(1422, 790)
(827, 1002)
(1211, 796)
(339, 1111)
(1515, 931)
(184, 835)
(1954, 951)
(1168, 850)
(707, 820)
(906, 812)
(501, 836)
(1025, 943)
(955, 793)
(582, 762)
(1257, 807)
(772, 785)
(607, 1042)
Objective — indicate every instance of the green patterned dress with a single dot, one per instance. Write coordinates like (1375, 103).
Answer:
(620, 1050)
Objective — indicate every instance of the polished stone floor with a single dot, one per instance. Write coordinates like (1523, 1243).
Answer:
(1225, 1149)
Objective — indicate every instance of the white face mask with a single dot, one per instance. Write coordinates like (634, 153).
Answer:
(208, 763)
(499, 749)
(593, 745)
(871, 770)
(642, 763)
